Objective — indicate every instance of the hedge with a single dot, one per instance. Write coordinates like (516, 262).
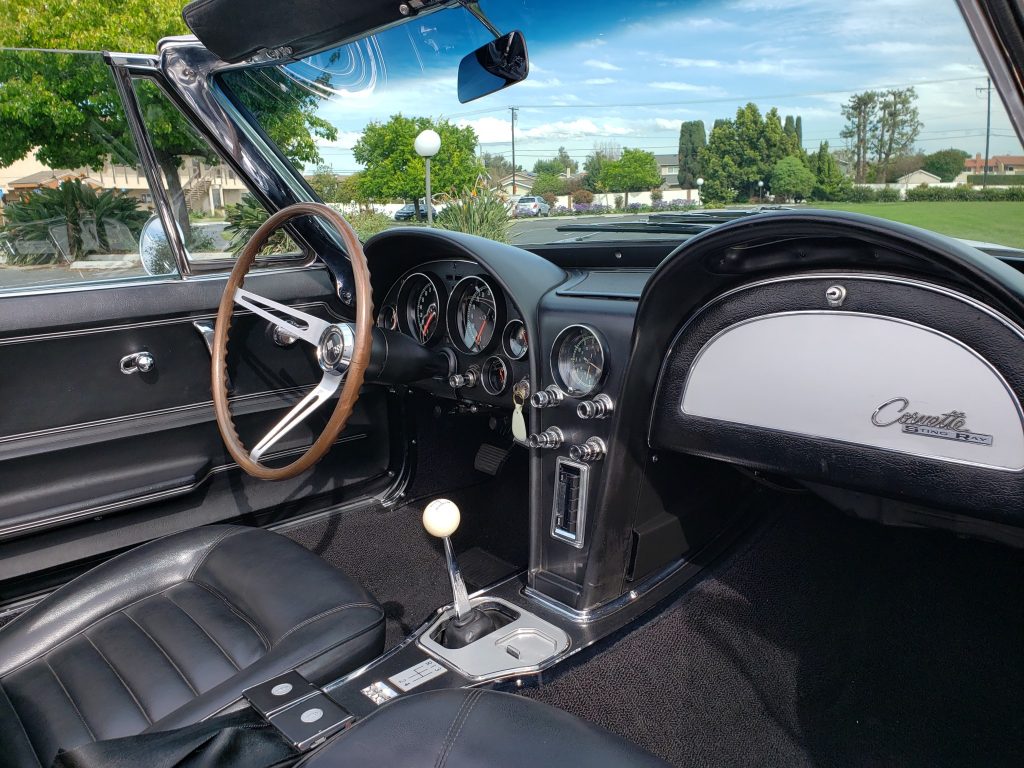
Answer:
(965, 194)
(997, 179)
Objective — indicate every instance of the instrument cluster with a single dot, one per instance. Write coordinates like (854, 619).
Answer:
(453, 307)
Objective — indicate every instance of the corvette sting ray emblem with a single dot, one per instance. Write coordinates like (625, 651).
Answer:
(951, 425)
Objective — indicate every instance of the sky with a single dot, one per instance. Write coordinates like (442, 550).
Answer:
(629, 73)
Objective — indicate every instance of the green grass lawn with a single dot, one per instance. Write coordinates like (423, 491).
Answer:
(1001, 223)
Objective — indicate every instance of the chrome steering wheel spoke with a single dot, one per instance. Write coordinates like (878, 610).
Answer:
(314, 327)
(328, 385)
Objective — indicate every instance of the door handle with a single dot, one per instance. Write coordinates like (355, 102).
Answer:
(206, 329)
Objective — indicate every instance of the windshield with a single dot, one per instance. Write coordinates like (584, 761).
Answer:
(637, 112)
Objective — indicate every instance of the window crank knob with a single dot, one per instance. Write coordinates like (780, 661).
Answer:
(145, 362)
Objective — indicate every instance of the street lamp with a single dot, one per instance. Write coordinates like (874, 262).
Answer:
(700, 187)
(760, 191)
(428, 144)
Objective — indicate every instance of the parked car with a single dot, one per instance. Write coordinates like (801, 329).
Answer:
(532, 205)
(743, 486)
(408, 212)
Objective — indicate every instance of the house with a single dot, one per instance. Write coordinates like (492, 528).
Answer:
(999, 164)
(917, 178)
(668, 165)
(523, 183)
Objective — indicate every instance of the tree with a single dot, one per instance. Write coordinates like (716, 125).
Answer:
(898, 127)
(791, 179)
(947, 164)
(830, 183)
(332, 187)
(636, 171)
(604, 153)
(549, 184)
(497, 166)
(561, 163)
(861, 114)
(394, 170)
(67, 107)
(743, 151)
(692, 139)
(799, 127)
(789, 127)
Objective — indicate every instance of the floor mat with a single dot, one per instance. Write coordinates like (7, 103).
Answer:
(825, 641)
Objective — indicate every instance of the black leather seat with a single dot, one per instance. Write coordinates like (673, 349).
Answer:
(476, 729)
(172, 632)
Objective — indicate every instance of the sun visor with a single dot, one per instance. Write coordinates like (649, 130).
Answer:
(236, 30)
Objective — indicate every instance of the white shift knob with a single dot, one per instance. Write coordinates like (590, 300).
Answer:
(441, 518)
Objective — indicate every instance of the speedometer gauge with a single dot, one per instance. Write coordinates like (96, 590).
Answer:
(421, 297)
(578, 360)
(473, 315)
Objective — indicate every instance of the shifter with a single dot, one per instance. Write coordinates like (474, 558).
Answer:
(441, 518)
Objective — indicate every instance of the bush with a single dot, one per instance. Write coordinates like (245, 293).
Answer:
(369, 223)
(888, 195)
(863, 195)
(583, 196)
(1000, 179)
(656, 194)
(619, 201)
(477, 211)
(561, 210)
(550, 198)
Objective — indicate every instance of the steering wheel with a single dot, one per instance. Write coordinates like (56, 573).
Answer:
(342, 349)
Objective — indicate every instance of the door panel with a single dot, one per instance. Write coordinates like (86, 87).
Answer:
(93, 460)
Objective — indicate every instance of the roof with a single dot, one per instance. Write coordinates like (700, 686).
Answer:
(979, 162)
(667, 159)
(918, 173)
(41, 177)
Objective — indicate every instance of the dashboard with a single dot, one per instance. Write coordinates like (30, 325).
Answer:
(456, 309)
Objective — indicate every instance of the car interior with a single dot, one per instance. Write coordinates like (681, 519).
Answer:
(429, 499)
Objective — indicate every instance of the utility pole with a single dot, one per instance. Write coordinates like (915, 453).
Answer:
(515, 111)
(988, 127)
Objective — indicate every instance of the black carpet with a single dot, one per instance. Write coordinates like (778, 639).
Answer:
(824, 641)
(388, 552)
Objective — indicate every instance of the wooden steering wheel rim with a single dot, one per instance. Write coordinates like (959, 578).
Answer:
(356, 368)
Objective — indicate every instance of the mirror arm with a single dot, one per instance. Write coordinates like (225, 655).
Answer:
(473, 6)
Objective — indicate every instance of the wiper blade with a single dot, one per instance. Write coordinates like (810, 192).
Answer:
(690, 223)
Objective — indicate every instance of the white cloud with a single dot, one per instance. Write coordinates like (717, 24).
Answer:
(597, 42)
(599, 64)
(553, 82)
(675, 85)
(600, 81)
(699, 63)
(345, 140)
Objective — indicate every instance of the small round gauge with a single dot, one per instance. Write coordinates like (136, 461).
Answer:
(421, 296)
(473, 315)
(388, 318)
(514, 340)
(578, 359)
(494, 376)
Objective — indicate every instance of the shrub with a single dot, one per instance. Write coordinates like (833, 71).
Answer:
(888, 195)
(561, 210)
(863, 195)
(637, 208)
(619, 200)
(369, 223)
(598, 208)
(583, 196)
(477, 211)
(550, 198)
(245, 218)
(656, 194)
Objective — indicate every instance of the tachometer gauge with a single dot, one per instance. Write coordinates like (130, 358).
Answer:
(388, 318)
(494, 376)
(473, 315)
(421, 296)
(578, 359)
(514, 340)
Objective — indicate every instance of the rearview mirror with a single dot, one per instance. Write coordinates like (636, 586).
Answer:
(499, 64)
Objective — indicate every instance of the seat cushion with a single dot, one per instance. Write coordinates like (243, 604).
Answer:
(476, 728)
(172, 632)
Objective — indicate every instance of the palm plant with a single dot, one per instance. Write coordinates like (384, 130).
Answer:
(477, 211)
(243, 221)
(80, 209)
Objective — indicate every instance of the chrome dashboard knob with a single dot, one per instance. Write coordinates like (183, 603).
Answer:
(600, 407)
(551, 437)
(463, 380)
(548, 397)
(592, 450)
